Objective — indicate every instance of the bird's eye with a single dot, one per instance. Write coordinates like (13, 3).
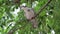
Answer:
(24, 6)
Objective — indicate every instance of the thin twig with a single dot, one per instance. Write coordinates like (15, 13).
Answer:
(16, 28)
(13, 30)
(42, 8)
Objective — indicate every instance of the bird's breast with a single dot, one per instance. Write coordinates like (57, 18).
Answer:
(29, 15)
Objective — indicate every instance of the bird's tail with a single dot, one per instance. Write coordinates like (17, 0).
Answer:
(34, 23)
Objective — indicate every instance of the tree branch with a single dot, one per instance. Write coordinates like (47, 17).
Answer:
(14, 29)
(42, 9)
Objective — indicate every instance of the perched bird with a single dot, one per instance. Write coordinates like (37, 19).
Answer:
(29, 14)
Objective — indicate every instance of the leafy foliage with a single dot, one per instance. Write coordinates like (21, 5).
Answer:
(48, 19)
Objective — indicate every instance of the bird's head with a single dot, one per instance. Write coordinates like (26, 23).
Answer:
(23, 7)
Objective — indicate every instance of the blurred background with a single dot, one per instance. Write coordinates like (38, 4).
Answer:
(13, 21)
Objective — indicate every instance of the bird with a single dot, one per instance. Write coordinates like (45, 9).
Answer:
(29, 14)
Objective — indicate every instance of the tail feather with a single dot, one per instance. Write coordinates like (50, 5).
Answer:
(34, 23)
